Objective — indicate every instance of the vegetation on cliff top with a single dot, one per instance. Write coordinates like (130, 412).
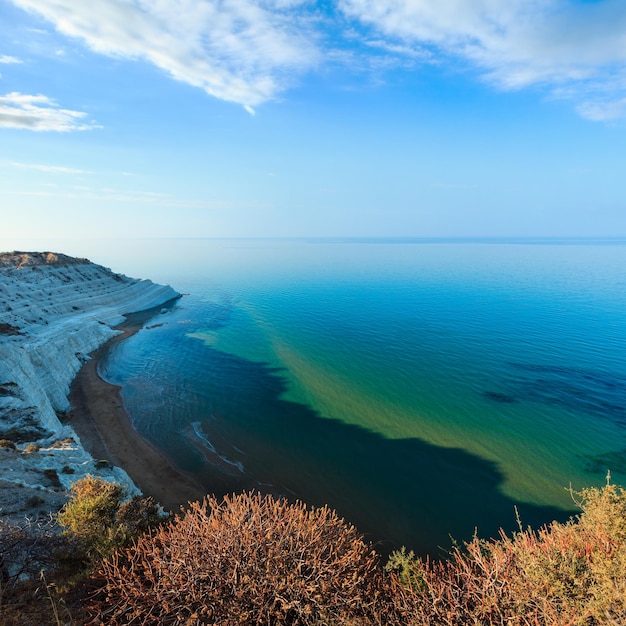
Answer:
(32, 259)
(254, 559)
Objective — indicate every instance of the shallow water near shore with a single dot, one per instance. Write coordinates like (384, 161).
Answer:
(422, 389)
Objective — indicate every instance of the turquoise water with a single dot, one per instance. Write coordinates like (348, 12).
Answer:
(422, 389)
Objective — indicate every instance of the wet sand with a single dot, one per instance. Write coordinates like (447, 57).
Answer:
(100, 419)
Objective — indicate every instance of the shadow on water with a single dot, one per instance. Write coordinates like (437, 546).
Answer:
(396, 491)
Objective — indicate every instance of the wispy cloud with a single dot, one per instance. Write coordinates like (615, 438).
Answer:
(40, 113)
(5, 59)
(242, 51)
(54, 169)
(248, 51)
(110, 195)
(400, 49)
(599, 111)
(518, 43)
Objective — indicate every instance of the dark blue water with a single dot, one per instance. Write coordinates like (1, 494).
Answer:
(421, 389)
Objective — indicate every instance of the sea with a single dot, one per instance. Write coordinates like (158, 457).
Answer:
(427, 390)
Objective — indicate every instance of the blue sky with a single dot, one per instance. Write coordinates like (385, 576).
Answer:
(207, 118)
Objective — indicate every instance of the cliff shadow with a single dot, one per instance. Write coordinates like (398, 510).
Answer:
(396, 491)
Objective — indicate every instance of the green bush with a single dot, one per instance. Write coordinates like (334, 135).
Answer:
(408, 569)
(40, 566)
(99, 519)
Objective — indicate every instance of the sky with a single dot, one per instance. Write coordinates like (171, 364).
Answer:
(294, 118)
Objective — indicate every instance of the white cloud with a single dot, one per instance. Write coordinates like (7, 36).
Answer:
(18, 110)
(400, 49)
(54, 169)
(516, 43)
(132, 198)
(248, 51)
(241, 51)
(603, 111)
(5, 59)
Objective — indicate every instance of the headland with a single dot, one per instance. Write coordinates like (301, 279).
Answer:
(56, 314)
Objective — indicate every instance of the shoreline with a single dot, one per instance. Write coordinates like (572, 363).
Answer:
(99, 417)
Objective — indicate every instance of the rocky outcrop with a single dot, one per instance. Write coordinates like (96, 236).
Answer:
(54, 311)
(20, 259)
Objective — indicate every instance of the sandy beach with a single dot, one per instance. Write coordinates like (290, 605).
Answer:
(100, 419)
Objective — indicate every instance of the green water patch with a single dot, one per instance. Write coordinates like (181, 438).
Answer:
(242, 336)
(536, 449)
(539, 447)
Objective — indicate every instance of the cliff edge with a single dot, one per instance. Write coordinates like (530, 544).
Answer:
(54, 311)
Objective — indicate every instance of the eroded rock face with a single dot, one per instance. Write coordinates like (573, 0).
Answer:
(21, 259)
(54, 311)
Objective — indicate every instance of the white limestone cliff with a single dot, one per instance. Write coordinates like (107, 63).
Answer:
(54, 311)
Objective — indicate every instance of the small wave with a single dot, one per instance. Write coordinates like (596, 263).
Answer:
(197, 429)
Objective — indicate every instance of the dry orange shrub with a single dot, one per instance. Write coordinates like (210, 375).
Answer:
(256, 560)
(251, 559)
(571, 574)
